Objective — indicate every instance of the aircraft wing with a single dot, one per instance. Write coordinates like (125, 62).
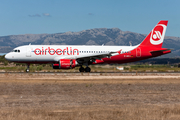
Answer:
(98, 56)
(87, 57)
(93, 57)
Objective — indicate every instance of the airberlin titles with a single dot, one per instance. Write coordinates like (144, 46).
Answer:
(58, 51)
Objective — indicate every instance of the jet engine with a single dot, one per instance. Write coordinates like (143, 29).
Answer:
(65, 64)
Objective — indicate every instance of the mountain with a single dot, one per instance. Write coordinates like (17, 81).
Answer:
(97, 36)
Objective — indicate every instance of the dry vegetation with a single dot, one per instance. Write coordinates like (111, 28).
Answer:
(89, 97)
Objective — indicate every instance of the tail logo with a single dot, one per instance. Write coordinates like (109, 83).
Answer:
(157, 34)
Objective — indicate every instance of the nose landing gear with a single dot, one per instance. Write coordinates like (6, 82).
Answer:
(27, 70)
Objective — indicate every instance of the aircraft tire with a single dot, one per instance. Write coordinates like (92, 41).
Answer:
(27, 70)
(87, 69)
(81, 69)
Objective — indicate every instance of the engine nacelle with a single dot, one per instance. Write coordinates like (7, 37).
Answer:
(65, 64)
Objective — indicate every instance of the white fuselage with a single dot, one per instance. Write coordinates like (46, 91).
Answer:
(53, 53)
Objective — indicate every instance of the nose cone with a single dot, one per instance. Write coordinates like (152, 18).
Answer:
(8, 57)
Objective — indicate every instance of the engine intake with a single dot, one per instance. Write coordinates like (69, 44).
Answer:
(65, 64)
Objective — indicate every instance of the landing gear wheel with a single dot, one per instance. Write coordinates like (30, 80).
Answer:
(87, 69)
(27, 70)
(81, 69)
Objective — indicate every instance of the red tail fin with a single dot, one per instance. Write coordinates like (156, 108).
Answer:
(156, 36)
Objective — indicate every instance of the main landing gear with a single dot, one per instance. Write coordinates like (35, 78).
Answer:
(82, 69)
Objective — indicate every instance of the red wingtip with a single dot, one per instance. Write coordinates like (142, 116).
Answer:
(164, 22)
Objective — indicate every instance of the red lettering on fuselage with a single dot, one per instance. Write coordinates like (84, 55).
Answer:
(58, 51)
(37, 51)
(51, 51)
(42, 51)
(75, 50)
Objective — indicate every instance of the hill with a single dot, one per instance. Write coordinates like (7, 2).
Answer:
(97, 36)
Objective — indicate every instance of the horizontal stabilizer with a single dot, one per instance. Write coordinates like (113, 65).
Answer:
(160, 50)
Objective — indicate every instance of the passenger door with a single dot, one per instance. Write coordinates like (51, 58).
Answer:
(28, 51)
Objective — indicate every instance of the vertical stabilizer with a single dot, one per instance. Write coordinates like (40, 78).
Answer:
(156, 36)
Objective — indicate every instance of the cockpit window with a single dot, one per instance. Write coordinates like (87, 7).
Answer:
(16, 51)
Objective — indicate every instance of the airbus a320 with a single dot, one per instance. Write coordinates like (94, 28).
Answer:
(71, 56)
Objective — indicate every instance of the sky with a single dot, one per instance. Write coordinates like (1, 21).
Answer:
(59, 16)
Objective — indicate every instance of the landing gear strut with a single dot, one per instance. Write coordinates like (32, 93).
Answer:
(27, 70)
(82, 69)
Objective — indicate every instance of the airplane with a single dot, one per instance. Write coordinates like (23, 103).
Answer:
(71, 56)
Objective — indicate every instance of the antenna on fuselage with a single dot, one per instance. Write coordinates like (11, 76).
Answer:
(29, 43)
(102, 44)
